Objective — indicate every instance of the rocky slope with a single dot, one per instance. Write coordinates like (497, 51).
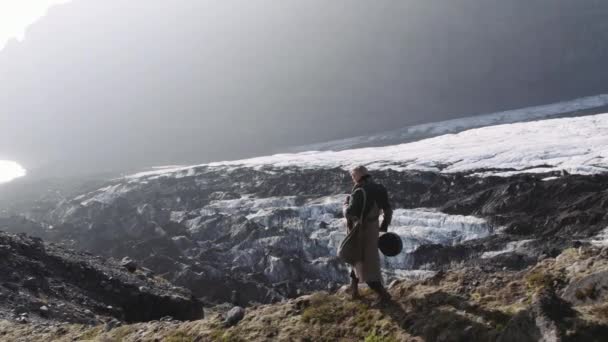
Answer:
(559, 299)
(48, 283)
(244, 229)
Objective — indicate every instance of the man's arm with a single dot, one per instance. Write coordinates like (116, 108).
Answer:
(387, 210)
(352, 210)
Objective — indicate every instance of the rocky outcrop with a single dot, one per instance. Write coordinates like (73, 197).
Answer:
(462, 304)
(545, 320)
(47, 282)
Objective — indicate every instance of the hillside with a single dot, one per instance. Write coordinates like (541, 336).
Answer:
(48, 283)
(562, 298)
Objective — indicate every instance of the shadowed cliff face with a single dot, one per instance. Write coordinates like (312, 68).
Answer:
(100, 85)
(47, 282)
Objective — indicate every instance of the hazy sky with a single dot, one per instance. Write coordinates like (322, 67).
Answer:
(17, 15)
(10, 171)
(117, 84)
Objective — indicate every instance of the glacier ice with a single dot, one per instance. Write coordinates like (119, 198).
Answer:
(511, 247)
(601, 239)
(577, 145)
(317, 227)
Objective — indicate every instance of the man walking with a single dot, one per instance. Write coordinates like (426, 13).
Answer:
(368, 199)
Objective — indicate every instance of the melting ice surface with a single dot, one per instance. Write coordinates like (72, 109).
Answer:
(512, 246)
(578, 145)
(10, 170)
(601, 239)
(320, 220)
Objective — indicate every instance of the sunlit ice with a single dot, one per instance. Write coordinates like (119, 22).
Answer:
(10, 170)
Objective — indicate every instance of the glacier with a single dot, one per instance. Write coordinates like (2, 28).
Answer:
(576, 145)
(320, 221)
(511, 247)
(601, 239)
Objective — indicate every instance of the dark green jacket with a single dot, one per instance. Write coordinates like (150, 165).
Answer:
(375, 193)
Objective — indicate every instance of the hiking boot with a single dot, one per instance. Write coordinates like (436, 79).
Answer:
(354, 288)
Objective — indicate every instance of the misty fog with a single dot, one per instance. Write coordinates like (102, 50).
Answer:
(102, 85)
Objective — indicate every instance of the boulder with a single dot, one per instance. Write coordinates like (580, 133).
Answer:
(588, 290)
(129, 264)
(234, 316)
(546, 320)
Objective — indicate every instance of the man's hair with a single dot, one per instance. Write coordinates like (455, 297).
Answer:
(360, 171)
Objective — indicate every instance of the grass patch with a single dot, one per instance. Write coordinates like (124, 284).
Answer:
(500, 327)
(346, 318)
(178, 336)
(222, 335)
(570, 253)
(326, 309)
(120, 333)
(364, 319)
(601, 312)
(91, 334)
(476, 296)
(539, 280)
(514, 309)
(375, 337)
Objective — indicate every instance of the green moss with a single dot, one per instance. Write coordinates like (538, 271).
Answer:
(91, 334)
(178, 336)
(500, 327)
(538, 280)
(476, 296)
(326, 309)
(364, 318)
(349, 318)
(514, 309)
(120, 333)
(374, 337)
(569, 252)
(222, 335)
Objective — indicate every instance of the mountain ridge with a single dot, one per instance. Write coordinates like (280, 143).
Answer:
(578, 107)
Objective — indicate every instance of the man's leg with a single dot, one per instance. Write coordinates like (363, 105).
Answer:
(354, 284)
(380, 290)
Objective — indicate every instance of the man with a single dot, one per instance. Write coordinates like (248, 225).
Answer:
(375, 197)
